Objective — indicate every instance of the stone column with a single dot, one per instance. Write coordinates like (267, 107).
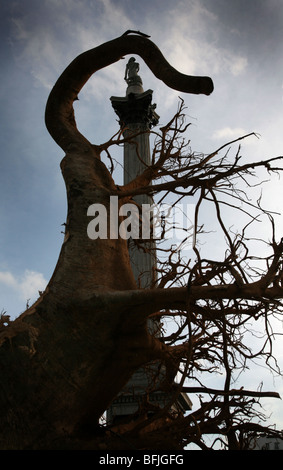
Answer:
(136, 116)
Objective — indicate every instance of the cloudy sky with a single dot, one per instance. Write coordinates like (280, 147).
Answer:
(238, 43)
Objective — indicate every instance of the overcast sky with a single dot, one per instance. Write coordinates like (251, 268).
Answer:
(238, 43)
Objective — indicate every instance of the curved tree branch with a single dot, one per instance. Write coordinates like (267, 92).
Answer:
(59, 116)
(241, 392)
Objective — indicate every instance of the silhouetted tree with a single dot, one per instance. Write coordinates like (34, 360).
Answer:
(66, 358)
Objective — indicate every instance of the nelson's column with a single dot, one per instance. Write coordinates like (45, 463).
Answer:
(136, 117)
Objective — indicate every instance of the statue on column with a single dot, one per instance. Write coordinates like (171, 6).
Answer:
(131, 73)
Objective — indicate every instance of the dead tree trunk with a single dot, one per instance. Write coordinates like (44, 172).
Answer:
(65, 358)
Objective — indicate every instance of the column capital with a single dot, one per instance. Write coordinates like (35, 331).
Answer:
(135, 109)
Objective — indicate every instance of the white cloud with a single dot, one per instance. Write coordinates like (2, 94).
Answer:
(31, 283)
(39, 50)
(8, 279)
(48, 50)
(26, 286)
(192, 41)
(229, 133)
(238, 65)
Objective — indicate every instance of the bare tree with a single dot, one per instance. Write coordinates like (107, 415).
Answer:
(66, 358)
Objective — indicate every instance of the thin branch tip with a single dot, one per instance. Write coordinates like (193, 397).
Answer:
(133, 31)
